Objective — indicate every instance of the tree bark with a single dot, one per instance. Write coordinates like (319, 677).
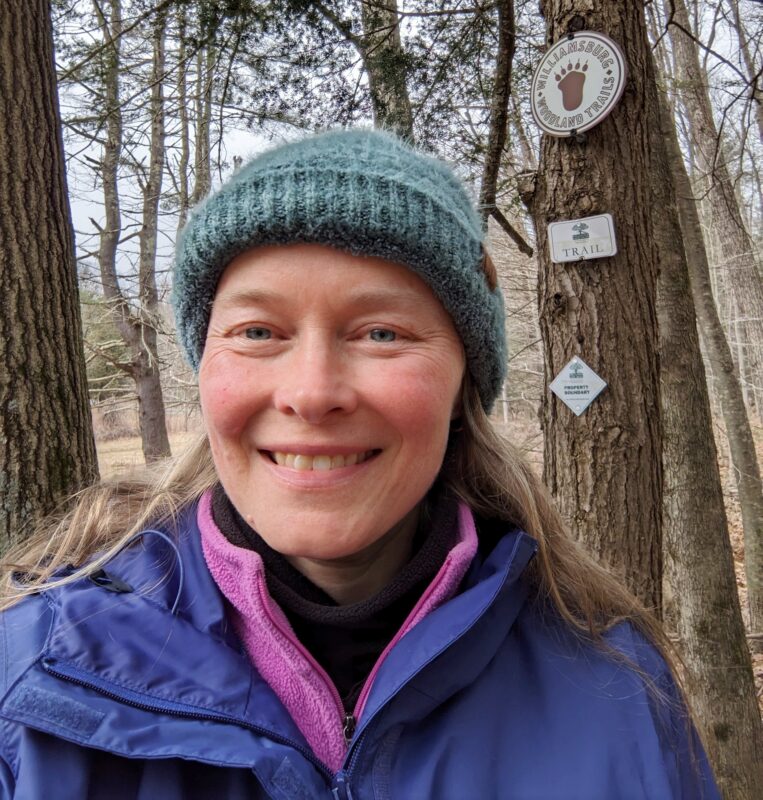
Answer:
(753, 76)
(384, 60)
(528, 159)
(604, 467)
(205, 65)
(738, 270)
(498, 127)
(47, 449)
(699, 566)
(138, 330)
(185, 149)
(738, 430)
(499, 108)
(156, 443)
(742, 279)
(112, 150)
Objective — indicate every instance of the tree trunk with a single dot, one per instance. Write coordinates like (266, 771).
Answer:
(137, 331)
(498, 127)
(737, 257)
(185, 149)
(499, 108)
(699, 566)
(205, 61)
(46, 439)
(738, 430)
(753, 76)
(384, 60)
(743, 281)
(153, 425)
(112, 151)
(528, 159)
(604, 467)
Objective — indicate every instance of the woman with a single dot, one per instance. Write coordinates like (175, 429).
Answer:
(350, 587)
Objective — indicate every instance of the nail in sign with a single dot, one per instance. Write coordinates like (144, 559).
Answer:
(578, 82)
(577, 386)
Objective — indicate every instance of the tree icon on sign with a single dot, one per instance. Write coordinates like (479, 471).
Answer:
(581, 231)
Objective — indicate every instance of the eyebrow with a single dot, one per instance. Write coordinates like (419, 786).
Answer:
(378, 298)
(249, 297)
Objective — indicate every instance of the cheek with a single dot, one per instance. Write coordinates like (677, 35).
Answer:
(225, 402)
(215, 399)
(421, 400)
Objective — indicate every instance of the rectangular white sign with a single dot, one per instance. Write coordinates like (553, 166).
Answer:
(582, 239)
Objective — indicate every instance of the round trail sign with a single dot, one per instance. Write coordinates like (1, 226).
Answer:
(577, 83)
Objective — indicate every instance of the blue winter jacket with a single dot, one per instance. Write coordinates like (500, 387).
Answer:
(133, 685)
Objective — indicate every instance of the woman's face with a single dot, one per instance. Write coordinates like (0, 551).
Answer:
(328, 383)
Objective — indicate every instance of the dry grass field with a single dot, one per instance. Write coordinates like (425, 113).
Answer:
(125, 454)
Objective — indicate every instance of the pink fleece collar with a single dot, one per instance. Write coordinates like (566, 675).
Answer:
(301, 684)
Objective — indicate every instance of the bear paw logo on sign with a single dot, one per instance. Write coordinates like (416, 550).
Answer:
(577, 83)
(571, 82)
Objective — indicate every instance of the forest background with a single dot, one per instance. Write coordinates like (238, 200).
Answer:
(153, 103)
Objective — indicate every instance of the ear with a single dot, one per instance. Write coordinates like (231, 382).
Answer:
(458, 402)
(489, 271)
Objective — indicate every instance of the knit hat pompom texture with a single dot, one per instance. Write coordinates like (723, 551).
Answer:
(361, 191)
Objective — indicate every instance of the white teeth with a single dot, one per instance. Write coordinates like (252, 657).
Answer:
(303, 462)
(321, 463)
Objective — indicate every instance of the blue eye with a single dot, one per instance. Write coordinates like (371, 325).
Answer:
(382, 335)
(258, 334)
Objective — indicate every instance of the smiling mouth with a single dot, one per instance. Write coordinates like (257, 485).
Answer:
(320, 463)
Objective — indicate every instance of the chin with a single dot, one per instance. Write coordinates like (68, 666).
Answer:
(329, 546)
(318, 551)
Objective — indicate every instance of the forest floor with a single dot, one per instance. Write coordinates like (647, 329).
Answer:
(124, 454)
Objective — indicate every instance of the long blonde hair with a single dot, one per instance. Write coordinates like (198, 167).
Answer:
(482, 469)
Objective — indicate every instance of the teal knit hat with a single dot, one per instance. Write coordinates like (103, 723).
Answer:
(364, 192)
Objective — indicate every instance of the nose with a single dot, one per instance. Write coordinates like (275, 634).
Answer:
(316, 383)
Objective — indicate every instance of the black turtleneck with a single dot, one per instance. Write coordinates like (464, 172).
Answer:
(347, 640)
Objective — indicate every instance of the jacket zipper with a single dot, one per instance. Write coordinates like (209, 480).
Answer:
(70, 674)
(353, 753)
(341, 789)
(287, 633)
(349, 728)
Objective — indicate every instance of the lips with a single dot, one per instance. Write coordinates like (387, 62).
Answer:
(322, 462)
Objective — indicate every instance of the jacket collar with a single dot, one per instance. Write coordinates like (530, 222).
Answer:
(189, 665)
(477, 621)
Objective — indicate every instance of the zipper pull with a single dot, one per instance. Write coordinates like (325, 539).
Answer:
(342, 789)
(349, 728)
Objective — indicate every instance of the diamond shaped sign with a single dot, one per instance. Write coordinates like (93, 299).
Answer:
(577, 386)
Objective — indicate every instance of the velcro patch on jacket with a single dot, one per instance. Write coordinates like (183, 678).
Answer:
(66, 714)
(288, 781)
